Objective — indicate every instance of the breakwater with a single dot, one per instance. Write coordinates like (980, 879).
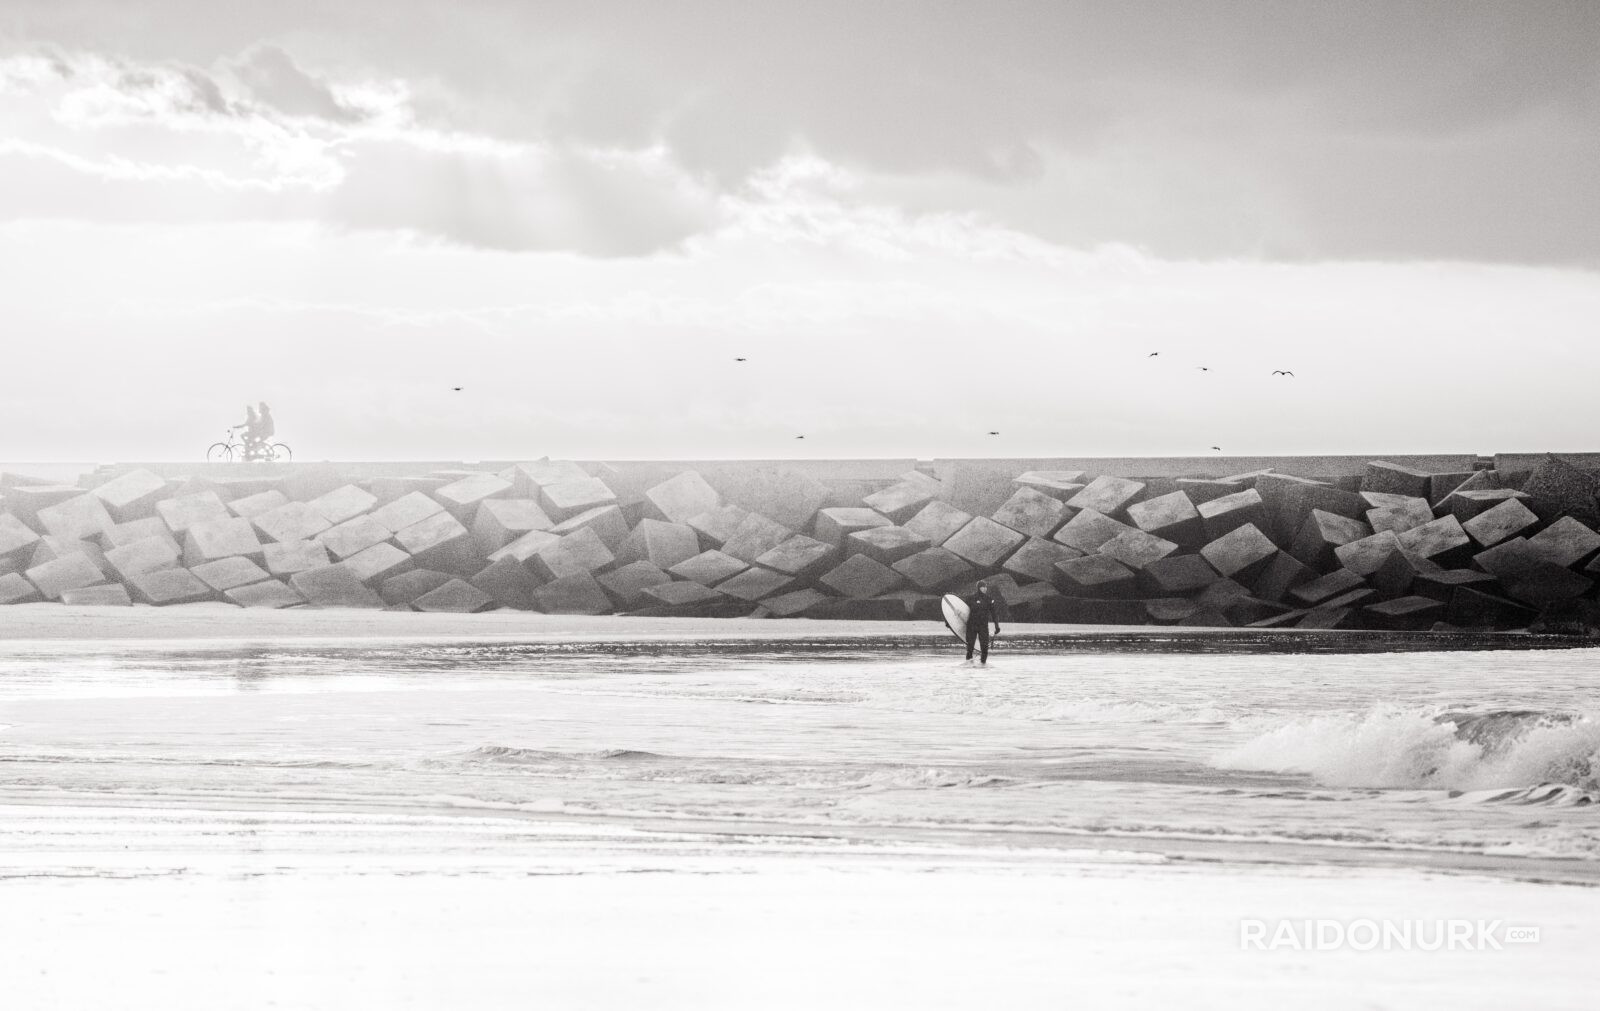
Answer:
(1506, 542)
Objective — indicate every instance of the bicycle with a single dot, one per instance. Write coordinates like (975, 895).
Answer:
(227, 450)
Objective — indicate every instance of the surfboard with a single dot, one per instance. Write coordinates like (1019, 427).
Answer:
(956, 613)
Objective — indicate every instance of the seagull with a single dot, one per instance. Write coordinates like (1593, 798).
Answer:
(739, 359)
(1202, 368)
(456, 388)
(1281, 372)
(994, 433)
(799, 437)
(1152, 354)
(1217, 448)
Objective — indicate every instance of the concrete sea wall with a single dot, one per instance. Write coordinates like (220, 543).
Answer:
(1506, 542)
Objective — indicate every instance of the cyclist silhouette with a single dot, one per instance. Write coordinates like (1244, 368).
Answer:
(257, 429)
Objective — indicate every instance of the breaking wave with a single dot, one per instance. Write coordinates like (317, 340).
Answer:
(1513, 750)
(505, 755)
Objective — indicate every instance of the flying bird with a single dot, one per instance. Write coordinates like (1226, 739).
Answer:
(1217, 448)
(1281, 372)
(1202, 368)
(799, 437)
(1152, 354)
(994, 433)
(456, 388)
(739, 359)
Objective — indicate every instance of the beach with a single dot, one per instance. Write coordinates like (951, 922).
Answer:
(206, 807)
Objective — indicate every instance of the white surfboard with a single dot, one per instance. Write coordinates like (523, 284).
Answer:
(956, 613)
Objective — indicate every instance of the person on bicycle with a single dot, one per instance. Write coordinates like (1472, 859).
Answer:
(248, 429)
(265, 429)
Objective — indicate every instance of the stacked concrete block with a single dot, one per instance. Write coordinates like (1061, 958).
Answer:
(1322, 534)
(1282, 574)
(1058, 484)
(455, 597)
(885, 544)
(800, 556)
(1394, 479)
(859, 576)
(754, 537)
(342, 503)
(379, 562)
(260, 502)
(984, 543)
(682, 498)
(527, 478)
(1036, 559)
(936, 569)
(1172, 517)
(1398, 513)
(68, 572)
(756, 583)
(17, 539)
(354, 535)
(499, 521)
(76, 518)
(1137, 549)
(1441, 540)
(1177, 575)
(899, 502)
(334, 586)
(1107, 494)
(16, 589)
(285, 558)
(145, 555)
(1441, 584)
(269, 593)
(26, 501)
(709, 567)
(1499, 522)
(408, 509)
(230, 573)
(50, 547)
(627, 583)
(1032, 513)
(224, 538)
(715, 526)
(462, 497)
(137, 530)
(1241, 553)
(1558, 488)
(1467, 504)
(1095, 576)
(509, 583)
(526, 546)
(834, 525)
(293, 521)
(794, 603)
(571, 498)
(1566, 542)
(581, 552)
(681, 598)
(132, 495)
(439, 542)
(104, 595)
(606, 521)
(1364, 556)
(1088, 530)
(166, 587)
(1221, 515)
(938, 522)
(784, 495)
(401, 590)
(658, 542)
(577, 593)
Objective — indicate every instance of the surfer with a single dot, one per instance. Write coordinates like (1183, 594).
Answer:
(983, 612)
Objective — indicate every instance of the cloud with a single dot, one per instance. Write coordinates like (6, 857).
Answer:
(274, 79)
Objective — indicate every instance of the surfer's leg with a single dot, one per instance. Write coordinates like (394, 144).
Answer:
(972, 640)
(983, 644)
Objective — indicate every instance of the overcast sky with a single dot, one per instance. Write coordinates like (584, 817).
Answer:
(919, 222)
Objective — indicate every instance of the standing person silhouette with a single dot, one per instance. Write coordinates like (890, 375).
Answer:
(983, 612)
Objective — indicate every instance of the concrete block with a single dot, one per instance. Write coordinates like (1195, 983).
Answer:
(206, 542)
(800, 556)
(1441, 584)
(1546, 583)
(1036, 559)
(626, 585)
(1358, 597)
(1203, 490)
(145, 555)
(789, 605)
(1172, 517)
(1438, 539)
(682, 498)
(77, 518)
(255, 505)
(579, 553)
(1241, 553)
(269, 593)
(1364, 556)
(708, 568)
(885, 544)
(1565, 542)
(1282, 574)
(440, 542)
(526, 546)
(1567, 617)
(1508, 559)
(377, 563)
(1404, 613)
(1395, 479)
(832, 526)
(228, 573)
(509, 583)
(462, 497)
(1058, 484)
(69, 572)
(938, 522)
(343, 503)
(51, 547)
(1559, 488)
(1289, 500)
(859, 576)
(1394, 577)
(1169, 610)
(499, 521)
(1177, 575)
(1322, 534)
(25, 501)
(104, 595)
(1475, 609)
(1467, 504)
(527, 478)
(1088, 530)
(410, 508)
(976, 488)
(166, 587)
(754, 537)
(1222, 593)
(606, 521)
(16, 537)
(390, 489)
(1207, 617)
(1107, 494)
(1091, 611)
(661, 543)
(1480, 480)
(131, 495)
(1399, 514)
(682, 593)
(899, 502)
(354, 536)
(1095, 576)
(756, 583)
(409, 585)
(15, 589)
(1220, 516)
(785, 495)
(1441, 485)
(1499, 523)
(455, 597)
(285, 558)
(296, 521)
(1328, 618)
(715, 526)
(577, 593)
(1032, 513)
(334, 586)
(1137, 549)
(983, 542)
(936, 569)
(1246, 610)
(571, 498)
(137, 530)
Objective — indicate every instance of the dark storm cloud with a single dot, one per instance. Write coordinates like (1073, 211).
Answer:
(1337, 129)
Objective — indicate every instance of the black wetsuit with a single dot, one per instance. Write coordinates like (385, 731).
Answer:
(982, 607)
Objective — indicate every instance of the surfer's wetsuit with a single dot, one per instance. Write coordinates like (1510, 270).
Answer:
(982, 607)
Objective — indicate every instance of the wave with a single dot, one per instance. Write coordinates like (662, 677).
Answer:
(1431, 749)
(503, 754)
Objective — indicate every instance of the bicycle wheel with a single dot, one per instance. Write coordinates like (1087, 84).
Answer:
(281, 453)
(220, 452)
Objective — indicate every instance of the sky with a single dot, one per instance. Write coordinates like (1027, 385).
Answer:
(1092, 228)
